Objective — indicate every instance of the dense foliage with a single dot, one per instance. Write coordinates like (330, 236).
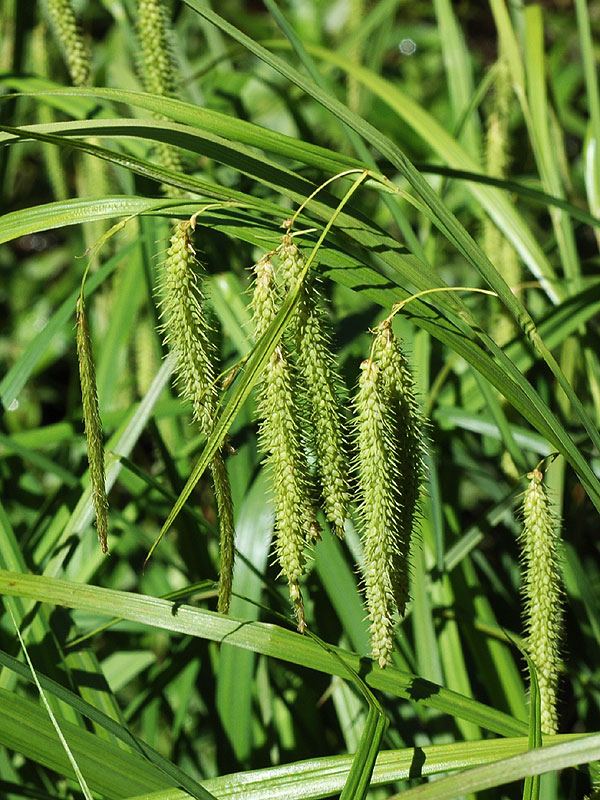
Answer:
(152, 156)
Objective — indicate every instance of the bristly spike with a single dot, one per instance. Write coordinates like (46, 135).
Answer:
(158, 72)
(68, 33)
(186, 328)
(399, 392)
(93, 425)
(280, 441)
(378, 479)
(319, 387)
(543, 594)
(186, 334)
(389, 434)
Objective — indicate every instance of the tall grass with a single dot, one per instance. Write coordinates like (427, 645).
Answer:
(156, 693)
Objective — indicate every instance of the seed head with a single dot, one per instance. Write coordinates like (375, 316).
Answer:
(319, 387)
(186, 332)
(543, 594)
(93, 425)
(75, 50)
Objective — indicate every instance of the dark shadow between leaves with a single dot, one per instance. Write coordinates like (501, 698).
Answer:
(416, 765)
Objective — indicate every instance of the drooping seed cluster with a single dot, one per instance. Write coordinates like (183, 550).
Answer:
(186, 334)
(397, 386)
(543, 594)
(158, 71)
(280, 440)
(186, 327)
(319, 388)
(300, 417)
(93, 426)
(390, 468)
(497, 157)
(75, 50)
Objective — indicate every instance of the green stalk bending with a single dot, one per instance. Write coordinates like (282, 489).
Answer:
(319, 388)
(543, 593)
(186, 335)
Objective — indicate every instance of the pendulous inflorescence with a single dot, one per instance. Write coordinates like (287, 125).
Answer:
(389, 439)
(186, 332)
(93, 425)
(280, 440)
(543, 594)
(319, 387)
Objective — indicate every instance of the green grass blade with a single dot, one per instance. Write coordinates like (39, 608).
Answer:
(25, 727)
(531, 786)
(142, 753)
(19, 373)
(261, 638)
(459, 74)
(534, 762)
(324, 777)
(236, 674)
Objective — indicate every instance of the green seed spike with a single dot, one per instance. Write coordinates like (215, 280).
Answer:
(398, 388)
(158, 71)
(285, 458)
(186, 334)
(75, 50)
(280, 440)
(319, 388)
(378, 479)
(186, 328)
(93, 425)
(389, 436)
(543, 594)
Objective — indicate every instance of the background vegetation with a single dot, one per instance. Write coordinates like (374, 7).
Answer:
(170, 694)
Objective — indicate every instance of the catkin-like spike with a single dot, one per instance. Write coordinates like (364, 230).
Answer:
(222, 488)
(378, 479)
(153, 26)
(497, 156)
(280, 440)
(319, 388)
(93, 425)
(75, 50)
(55, 169)
(390, 469)
(186, 328)
(186, 335)
(158, 71)
(543, 593)
(279, 436)
(398, 388)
